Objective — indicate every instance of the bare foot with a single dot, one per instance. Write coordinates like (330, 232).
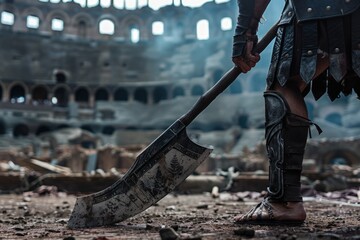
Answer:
(274, 213)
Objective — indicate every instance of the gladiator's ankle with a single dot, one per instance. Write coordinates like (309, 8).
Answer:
(274, 213)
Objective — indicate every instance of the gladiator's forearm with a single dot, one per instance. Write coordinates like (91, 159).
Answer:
(250, 13)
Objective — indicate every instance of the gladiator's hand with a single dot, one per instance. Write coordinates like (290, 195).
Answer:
(247, 59)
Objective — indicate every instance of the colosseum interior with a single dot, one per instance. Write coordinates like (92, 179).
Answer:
(119, 67)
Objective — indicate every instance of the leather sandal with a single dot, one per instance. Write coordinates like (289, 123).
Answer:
(268, 213)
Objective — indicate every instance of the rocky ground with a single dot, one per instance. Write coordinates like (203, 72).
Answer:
(44, 215)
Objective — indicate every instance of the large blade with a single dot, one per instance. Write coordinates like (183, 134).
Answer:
(162, 166)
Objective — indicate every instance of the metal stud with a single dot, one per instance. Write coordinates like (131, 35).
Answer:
(328, 8)
(336, 50)
(309, 10)
(347, 1)
(289, 13)
(309, 52)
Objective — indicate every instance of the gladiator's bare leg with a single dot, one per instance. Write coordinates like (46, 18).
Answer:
(283, 207)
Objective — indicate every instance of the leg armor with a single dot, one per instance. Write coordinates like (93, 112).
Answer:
(286, 136)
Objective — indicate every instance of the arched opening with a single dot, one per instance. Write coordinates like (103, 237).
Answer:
(39, 95)
(61, 97)
(158, 28)
(21, 130)
(17, 94)
(7, 18)
(121, 94)
(334, 118)
(101, 95)
(81, 30)
(60, 77)
(197, 90)
(134, 34)
(88, 128)
(32, 22)
(62, 126)
(2, 127)
(82, 95)
(226, 24)
(159, 94)
(202, 29)
(106, 27)
(141, 95)
(57, 25)
(42, 129)
(108, 130)
(178, 91)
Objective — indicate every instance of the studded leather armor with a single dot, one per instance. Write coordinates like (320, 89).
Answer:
(323, 9)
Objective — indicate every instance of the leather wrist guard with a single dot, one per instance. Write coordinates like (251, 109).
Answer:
(239, 42)
(250, 13)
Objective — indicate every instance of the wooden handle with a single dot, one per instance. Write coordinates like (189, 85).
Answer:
(209, 96)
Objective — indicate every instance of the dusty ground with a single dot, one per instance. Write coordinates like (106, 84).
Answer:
(30, 216)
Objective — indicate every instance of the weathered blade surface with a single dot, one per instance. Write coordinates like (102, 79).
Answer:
(162, 166)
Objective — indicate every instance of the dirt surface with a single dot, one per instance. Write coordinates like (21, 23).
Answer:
(31, 216)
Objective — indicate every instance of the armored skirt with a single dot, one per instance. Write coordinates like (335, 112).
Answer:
(300, 44)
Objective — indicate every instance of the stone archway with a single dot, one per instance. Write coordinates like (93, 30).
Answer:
(159, 94)
(141, 95)
(101, 95)
(82, 95)
(178, 91)
(61, 97)
(39, 95)
(21, 130)
(121, 94)
(17, 94)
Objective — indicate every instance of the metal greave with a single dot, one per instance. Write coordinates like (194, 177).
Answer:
(286, 136)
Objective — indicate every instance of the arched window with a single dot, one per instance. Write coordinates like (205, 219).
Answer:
(178, 91)
(334, 118)
(158, 28)
(82, 95)
(108, 130)
(105, 3)
(82, 28)
(202, 29)
(21, 130)
(7, 18)
(39, 95)
(141, 95)
(57, 25)
(120, 4)
(42, 129)
(226, 24)
(159, 94)
(17, 94)
(106, 27)
(61, 97)
(2, 127)
(134, 34)
(92, 3)
(101, 95)
(121, 95)
(32, 22)
(130, 4)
